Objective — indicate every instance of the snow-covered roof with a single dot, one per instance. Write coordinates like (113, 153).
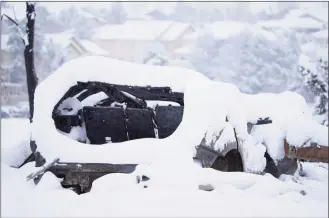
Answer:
(320, 14)
(87, 14)
(191, 36)
(323, 34)
(92, 47)
(142, 30)
(301, 23)
(175, 30)
(62, 39)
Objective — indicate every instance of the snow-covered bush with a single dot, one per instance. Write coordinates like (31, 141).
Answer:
(316, 80)
(81, 20)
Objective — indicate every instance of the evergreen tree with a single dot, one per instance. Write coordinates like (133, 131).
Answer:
(117, 13)
(249, 60)
(15, 45)
(316, 80)
(184, 12)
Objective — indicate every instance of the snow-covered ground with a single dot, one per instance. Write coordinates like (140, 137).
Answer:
(235, 195)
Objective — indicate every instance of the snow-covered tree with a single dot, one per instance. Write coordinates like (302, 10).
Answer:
(47, 21)
(250, 60)
(316, 80)
(47, 56)
(276, 10)
(184, 12)
(83, 29)
(205, 57)
(52, 57)
(15, 45)
(80, 19)
(56, 55)
(241, 11)
(116, 14)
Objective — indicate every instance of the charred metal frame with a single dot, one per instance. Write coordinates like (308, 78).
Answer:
(79, 176)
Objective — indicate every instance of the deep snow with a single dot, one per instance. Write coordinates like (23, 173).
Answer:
(175, 178)
(235, 195)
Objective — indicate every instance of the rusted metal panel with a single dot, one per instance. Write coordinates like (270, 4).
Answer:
(313, 153)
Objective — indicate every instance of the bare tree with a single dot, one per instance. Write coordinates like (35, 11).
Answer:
(31, 77)
(28, 41)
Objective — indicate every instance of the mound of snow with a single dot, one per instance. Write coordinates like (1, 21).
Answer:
(292, 120)
(15, 145)
(111, 195)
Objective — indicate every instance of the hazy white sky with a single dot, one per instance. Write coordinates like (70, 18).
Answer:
(136, 8)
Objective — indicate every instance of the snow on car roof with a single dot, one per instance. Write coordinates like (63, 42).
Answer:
(98, 68)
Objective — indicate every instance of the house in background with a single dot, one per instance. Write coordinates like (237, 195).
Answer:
(12, 93)
(73, 47)
(299, 20)
(78, 48)
(129, 40)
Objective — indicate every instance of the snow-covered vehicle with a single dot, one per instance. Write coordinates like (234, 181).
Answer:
(98, 116)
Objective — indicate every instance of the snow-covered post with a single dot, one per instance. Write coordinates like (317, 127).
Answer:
(31, 77)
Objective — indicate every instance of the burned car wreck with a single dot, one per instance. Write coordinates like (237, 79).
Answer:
(124, 114)
(79, 124)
